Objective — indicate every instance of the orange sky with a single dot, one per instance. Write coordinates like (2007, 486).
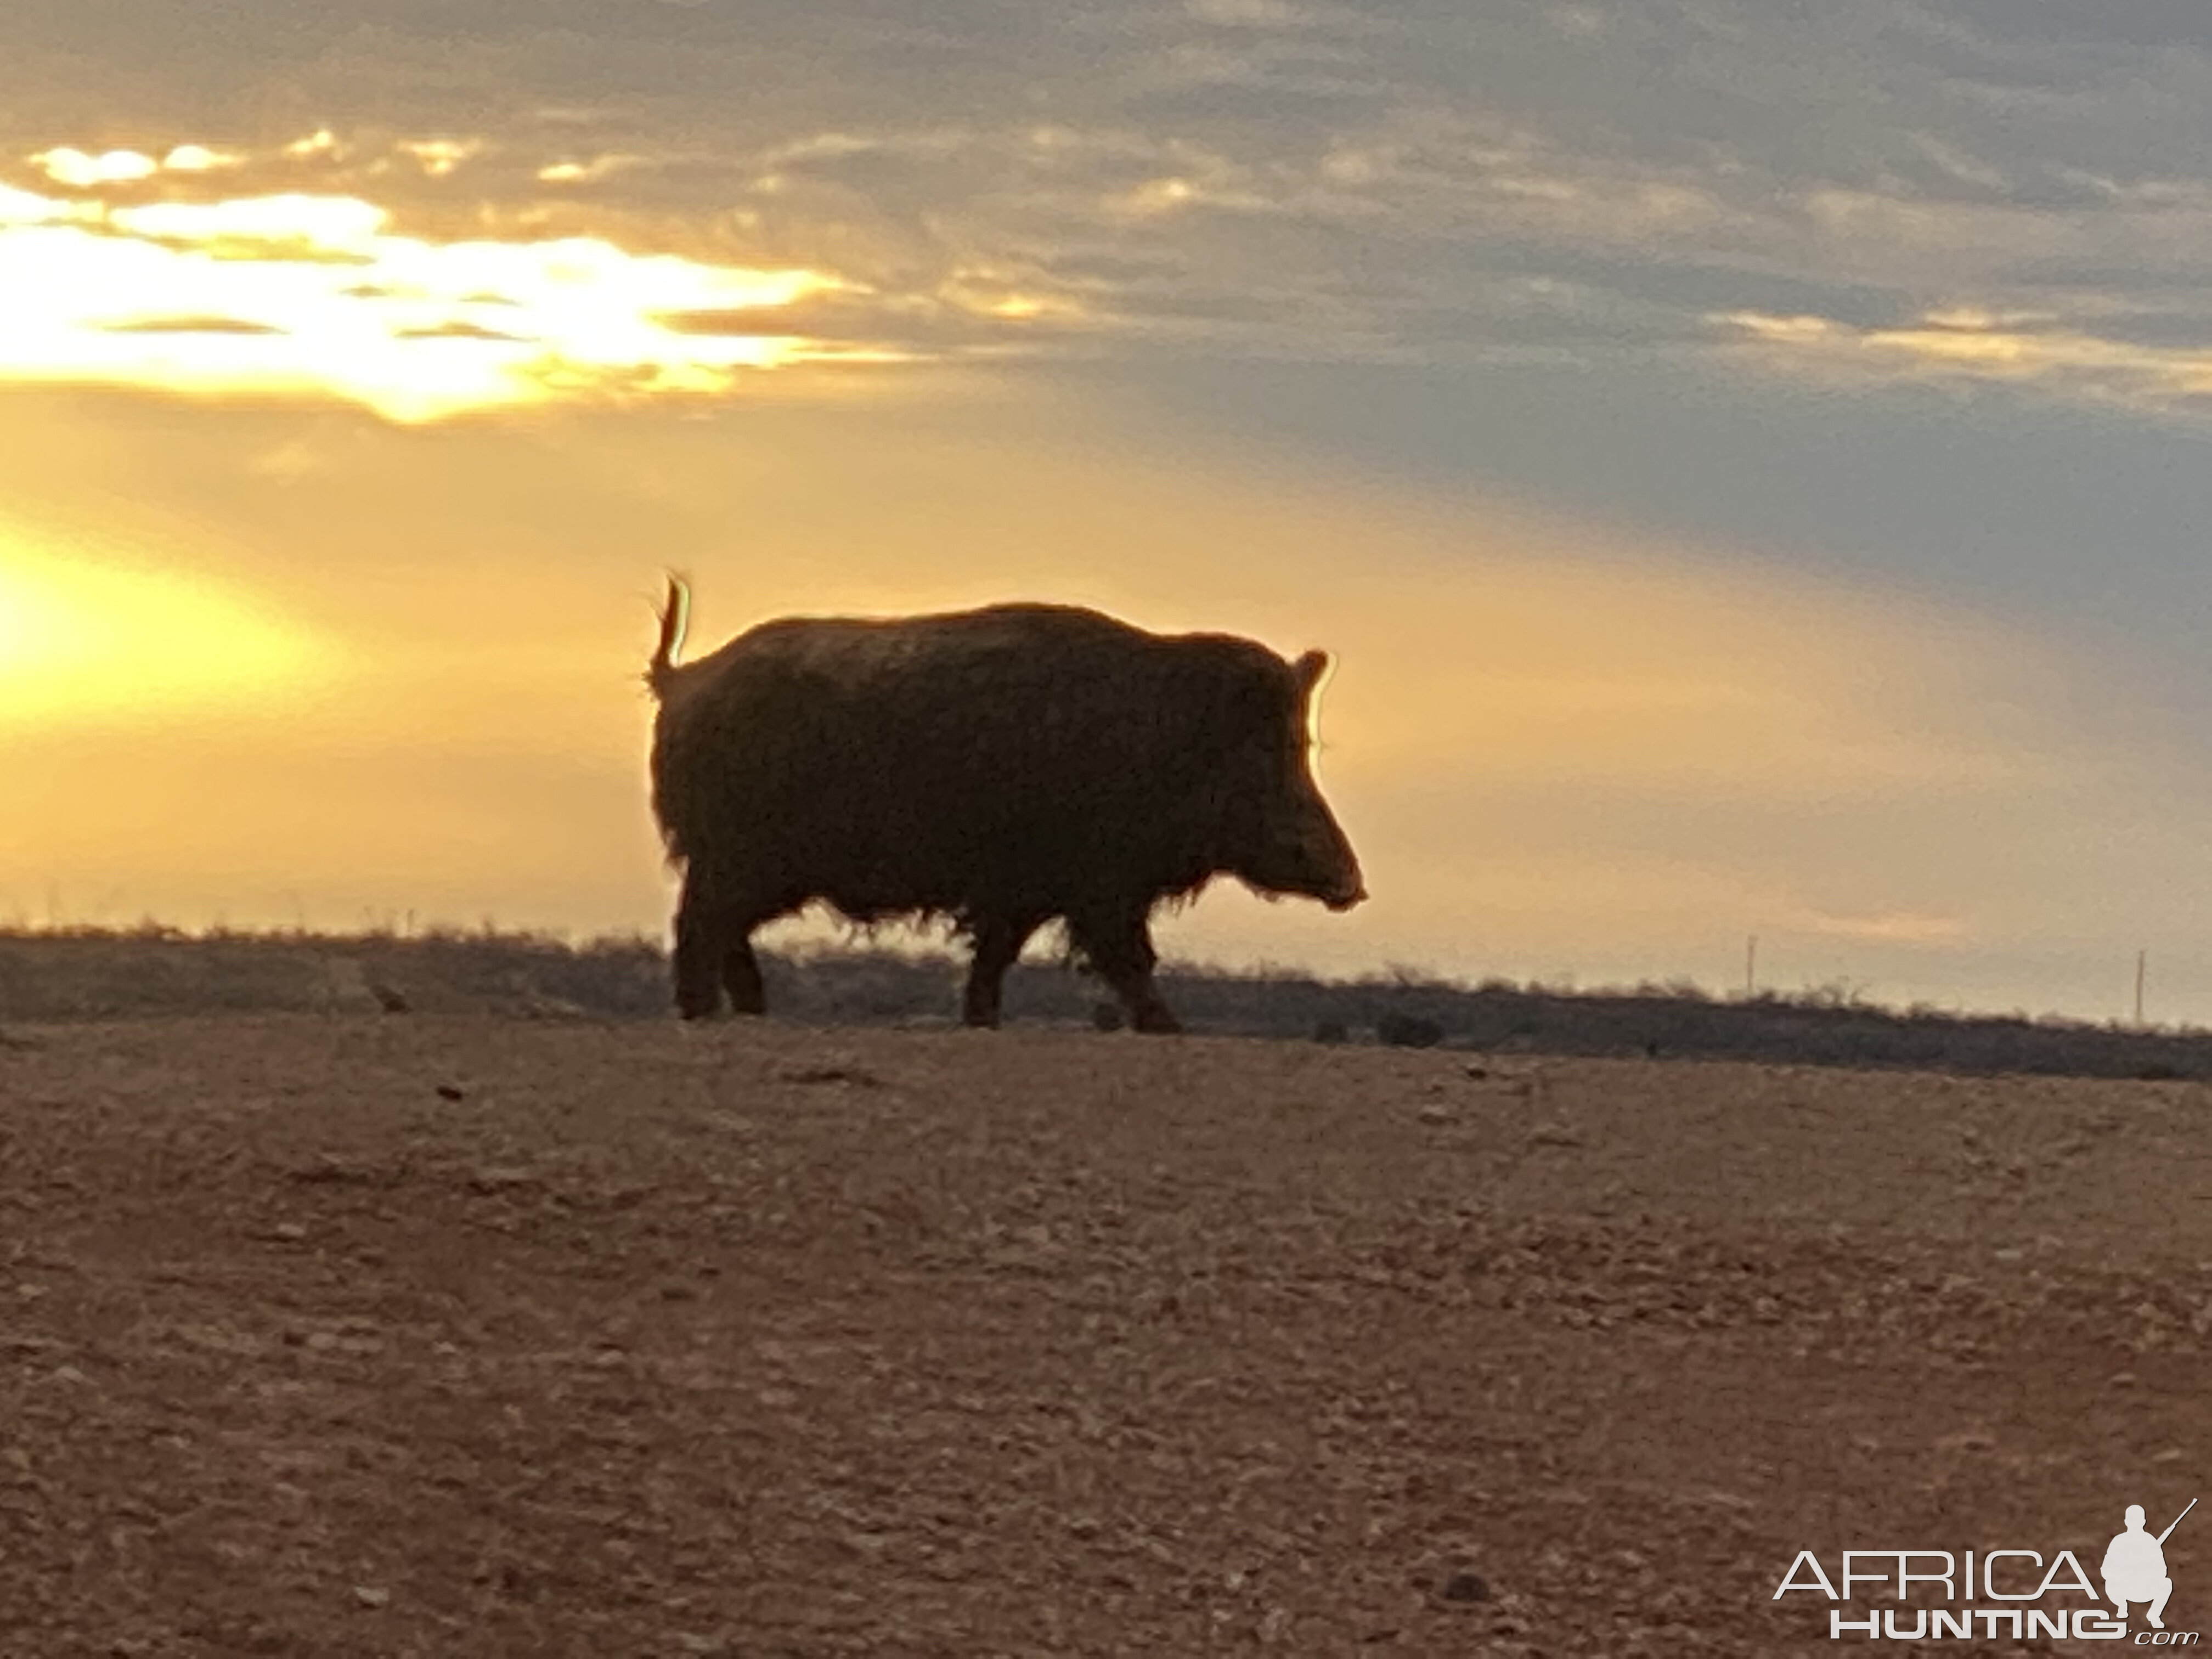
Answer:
(259, 663)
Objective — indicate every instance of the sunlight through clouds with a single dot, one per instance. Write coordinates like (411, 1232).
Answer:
(316, 295)
(79, 170)
(585, 172)
(76, 170)
(440, 156)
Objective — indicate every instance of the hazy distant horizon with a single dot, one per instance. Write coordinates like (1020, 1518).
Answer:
(817, 937)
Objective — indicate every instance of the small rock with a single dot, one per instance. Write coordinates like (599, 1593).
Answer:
(327, 1169)
(371, 1596)
(854, 1074)
(2170, 1455)
(451, 1091)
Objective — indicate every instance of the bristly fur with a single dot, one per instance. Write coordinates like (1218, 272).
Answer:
(997, 769)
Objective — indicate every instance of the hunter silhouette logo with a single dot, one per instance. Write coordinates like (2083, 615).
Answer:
(2135, 1566)
(2020, 1594)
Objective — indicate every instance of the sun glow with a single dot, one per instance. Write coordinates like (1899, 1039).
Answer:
(105, 641)
(315, 294)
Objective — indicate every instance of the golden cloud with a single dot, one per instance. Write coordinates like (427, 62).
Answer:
(1970, 343)
(75, 169)
(317, 295)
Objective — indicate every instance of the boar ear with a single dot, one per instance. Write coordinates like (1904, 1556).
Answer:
(1310, 670)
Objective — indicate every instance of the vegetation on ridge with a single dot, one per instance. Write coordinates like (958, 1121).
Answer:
(80, 972)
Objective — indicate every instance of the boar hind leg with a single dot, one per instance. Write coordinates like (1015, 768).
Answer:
(1118, 946)
(741, 974)
(715, 954)
(998, 942)
(701, 936)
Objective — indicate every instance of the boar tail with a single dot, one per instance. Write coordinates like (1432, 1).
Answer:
(675, 617)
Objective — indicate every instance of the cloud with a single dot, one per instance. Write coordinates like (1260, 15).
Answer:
(459, 330)
(1894, 928)
(77, 170)
(440, 156)
(587, 173)
(1278, 179)
(19, 207)
(189, 326)
(312, 294)
(1965, 345)
(198, 158)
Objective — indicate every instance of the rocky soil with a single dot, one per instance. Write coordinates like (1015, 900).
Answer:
(470, 1337)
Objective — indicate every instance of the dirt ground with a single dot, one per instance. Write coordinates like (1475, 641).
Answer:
(466, 1337)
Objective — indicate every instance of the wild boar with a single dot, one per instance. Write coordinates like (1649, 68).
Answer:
(999, 768)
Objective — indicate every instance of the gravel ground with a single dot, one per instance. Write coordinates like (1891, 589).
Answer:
(471, 1337)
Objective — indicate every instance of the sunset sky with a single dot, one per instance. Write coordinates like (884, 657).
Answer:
(1749, 459)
